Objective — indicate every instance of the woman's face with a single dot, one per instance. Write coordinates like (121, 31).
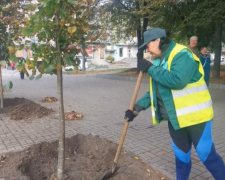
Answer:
(204, 50)
(153, 48)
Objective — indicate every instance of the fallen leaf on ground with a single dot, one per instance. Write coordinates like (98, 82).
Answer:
(49, 99)
(73, 115)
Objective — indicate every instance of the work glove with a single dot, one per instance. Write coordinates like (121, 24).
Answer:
(144, 65)
(130, 115)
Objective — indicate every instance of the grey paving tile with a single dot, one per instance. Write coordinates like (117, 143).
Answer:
(150, 143)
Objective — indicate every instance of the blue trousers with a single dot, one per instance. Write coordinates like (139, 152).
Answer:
(200, 136)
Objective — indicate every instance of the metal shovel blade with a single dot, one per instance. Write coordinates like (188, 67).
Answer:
(110, 173)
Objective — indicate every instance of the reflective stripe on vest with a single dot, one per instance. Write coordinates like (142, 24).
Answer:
(190, 90)
(154, 120)
(194, 108)
(193, 104)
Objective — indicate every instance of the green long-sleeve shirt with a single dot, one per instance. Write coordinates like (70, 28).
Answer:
(184, 70)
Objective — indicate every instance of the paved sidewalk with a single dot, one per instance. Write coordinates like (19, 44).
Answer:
(102, 100)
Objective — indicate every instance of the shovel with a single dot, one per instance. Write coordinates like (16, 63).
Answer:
(110, 173)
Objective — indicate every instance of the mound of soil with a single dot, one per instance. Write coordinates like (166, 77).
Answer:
(23, 109)
(86, 158)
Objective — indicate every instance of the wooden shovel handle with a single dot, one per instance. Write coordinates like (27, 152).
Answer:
(134, 98)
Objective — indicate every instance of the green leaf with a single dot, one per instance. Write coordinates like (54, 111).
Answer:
(68, 61)
(72, 29)
(79, 33)
(13, 57)
(33, 45)
(72, 2)
(27, 31)
(31, 77)
(27, 41)
(25, 71)
(49, 12)
(9, 85)
(21, 47)
(19, 67)
(44, 3)
(10, 48)
(39, 76)
(69, 58)
(30, 7)
(49, 69)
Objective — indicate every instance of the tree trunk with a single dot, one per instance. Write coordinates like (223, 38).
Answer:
(139, 42)
(83, 59)
(218, 37)
(140, 32)
(140, 38)
(1, 88)
(61, 149)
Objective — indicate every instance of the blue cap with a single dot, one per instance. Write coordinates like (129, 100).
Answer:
(152, 34)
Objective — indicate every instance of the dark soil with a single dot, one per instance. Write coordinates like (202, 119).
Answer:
(86, 158)
(23, 109)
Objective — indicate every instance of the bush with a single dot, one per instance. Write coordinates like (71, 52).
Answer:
(110, 58)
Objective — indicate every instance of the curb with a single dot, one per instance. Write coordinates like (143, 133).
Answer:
(217, 86)
(145, 80)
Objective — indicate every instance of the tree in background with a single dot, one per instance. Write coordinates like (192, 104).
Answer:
(11, 17)
(203, 18)
(183, 19)
(211, 16)
(9, 26)
(125, 20)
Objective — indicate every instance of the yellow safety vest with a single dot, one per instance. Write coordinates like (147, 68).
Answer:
(193, 104)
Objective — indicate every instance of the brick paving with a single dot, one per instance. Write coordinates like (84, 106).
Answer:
(102, 99)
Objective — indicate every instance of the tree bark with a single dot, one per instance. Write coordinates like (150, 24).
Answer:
(218, 46)
(139, 41)
(61, 149)
(140, 32)
(1, 87)
(140, 38)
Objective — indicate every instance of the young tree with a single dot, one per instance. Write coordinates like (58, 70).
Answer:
(9, 18)
(62, 28)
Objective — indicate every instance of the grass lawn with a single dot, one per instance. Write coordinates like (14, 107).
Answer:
(106, 71)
